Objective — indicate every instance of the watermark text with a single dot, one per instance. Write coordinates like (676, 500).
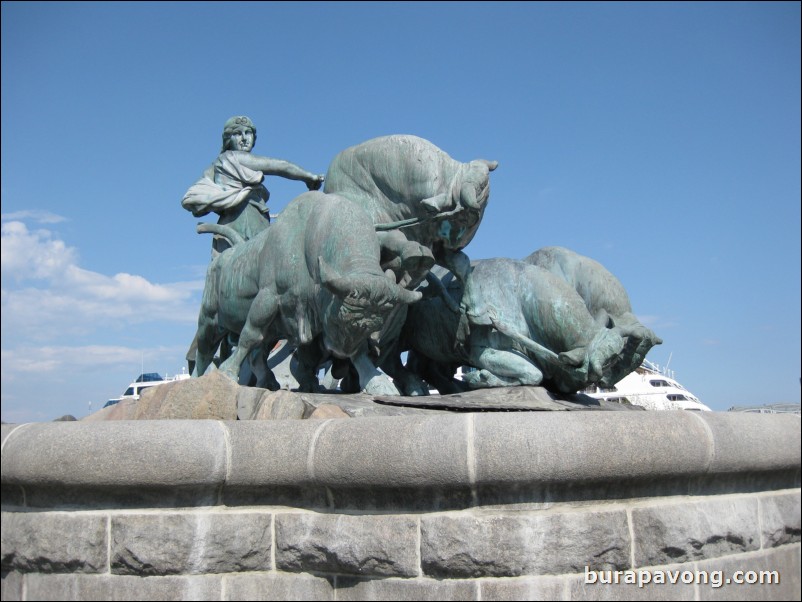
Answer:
(715, 579)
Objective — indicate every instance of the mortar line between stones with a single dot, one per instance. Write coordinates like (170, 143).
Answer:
(566, 589)
(760, 522)
(310, 457)
(228, 459)
(200, 540)
(711, 442)
(478, 586)
(108, 544)
(471, 456)
(419, 551)
(273, 542)
(223, 588)
(631, 528)
(696, 589)
(11, 434)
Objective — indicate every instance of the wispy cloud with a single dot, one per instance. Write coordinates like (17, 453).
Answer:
(27, 360)
(655, 322)
(34, 254)
(41, 383)
(46, 293)
(34, 215)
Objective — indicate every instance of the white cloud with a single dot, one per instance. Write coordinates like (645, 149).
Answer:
(41, 383)
(35, 215)
(33, 255)
(656, 322)
(60, 298)
(26, 360)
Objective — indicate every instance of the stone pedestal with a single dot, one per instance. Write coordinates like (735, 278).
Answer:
(463, 506)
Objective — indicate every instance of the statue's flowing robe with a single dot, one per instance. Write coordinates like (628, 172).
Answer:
(233, 191)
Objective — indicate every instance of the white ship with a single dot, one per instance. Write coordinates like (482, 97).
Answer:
(769, 408)
(143, 381)
(650, 387)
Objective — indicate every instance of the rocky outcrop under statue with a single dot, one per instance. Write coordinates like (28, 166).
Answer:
(217, 397)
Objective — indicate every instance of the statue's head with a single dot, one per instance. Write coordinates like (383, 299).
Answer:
(235, 128)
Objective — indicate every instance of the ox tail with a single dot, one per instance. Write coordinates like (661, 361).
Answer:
(232, 236)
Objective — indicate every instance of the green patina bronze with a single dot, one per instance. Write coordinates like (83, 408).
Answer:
(312, 279)
(336, 278)
(232, 185)
(540, 329)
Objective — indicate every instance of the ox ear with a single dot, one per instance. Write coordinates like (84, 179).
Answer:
(332, 279)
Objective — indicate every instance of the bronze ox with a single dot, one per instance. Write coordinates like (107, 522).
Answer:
(606, 300)
(539, 332)
(426, 205)
(314, 279)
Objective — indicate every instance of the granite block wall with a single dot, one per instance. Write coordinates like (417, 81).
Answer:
(512, 506)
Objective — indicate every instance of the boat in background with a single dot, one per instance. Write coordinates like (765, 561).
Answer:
(769, 408)
(144, 381)
(652, 388)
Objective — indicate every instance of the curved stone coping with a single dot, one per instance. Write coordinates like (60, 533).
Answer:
(438, 451)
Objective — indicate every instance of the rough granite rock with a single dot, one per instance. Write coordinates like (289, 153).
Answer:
(327, 410)
(123, 410)
(209, 397)
(280, 405)
(212, 397)
(215, 397)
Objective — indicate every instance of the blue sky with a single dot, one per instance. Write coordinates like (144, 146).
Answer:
(661, 139)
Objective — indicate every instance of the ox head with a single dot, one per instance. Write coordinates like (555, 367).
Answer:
(474, 189)
(464, 205)
(591, 364)
(639, 340)
(604, 352)
(359, 306)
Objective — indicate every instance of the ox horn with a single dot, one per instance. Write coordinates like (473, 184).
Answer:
(491, 165)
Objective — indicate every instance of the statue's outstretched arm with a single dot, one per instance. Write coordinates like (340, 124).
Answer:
(279, 167)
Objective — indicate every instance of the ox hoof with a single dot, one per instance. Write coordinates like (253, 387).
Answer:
(414, 391)
(380, 387)
(409, 384)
